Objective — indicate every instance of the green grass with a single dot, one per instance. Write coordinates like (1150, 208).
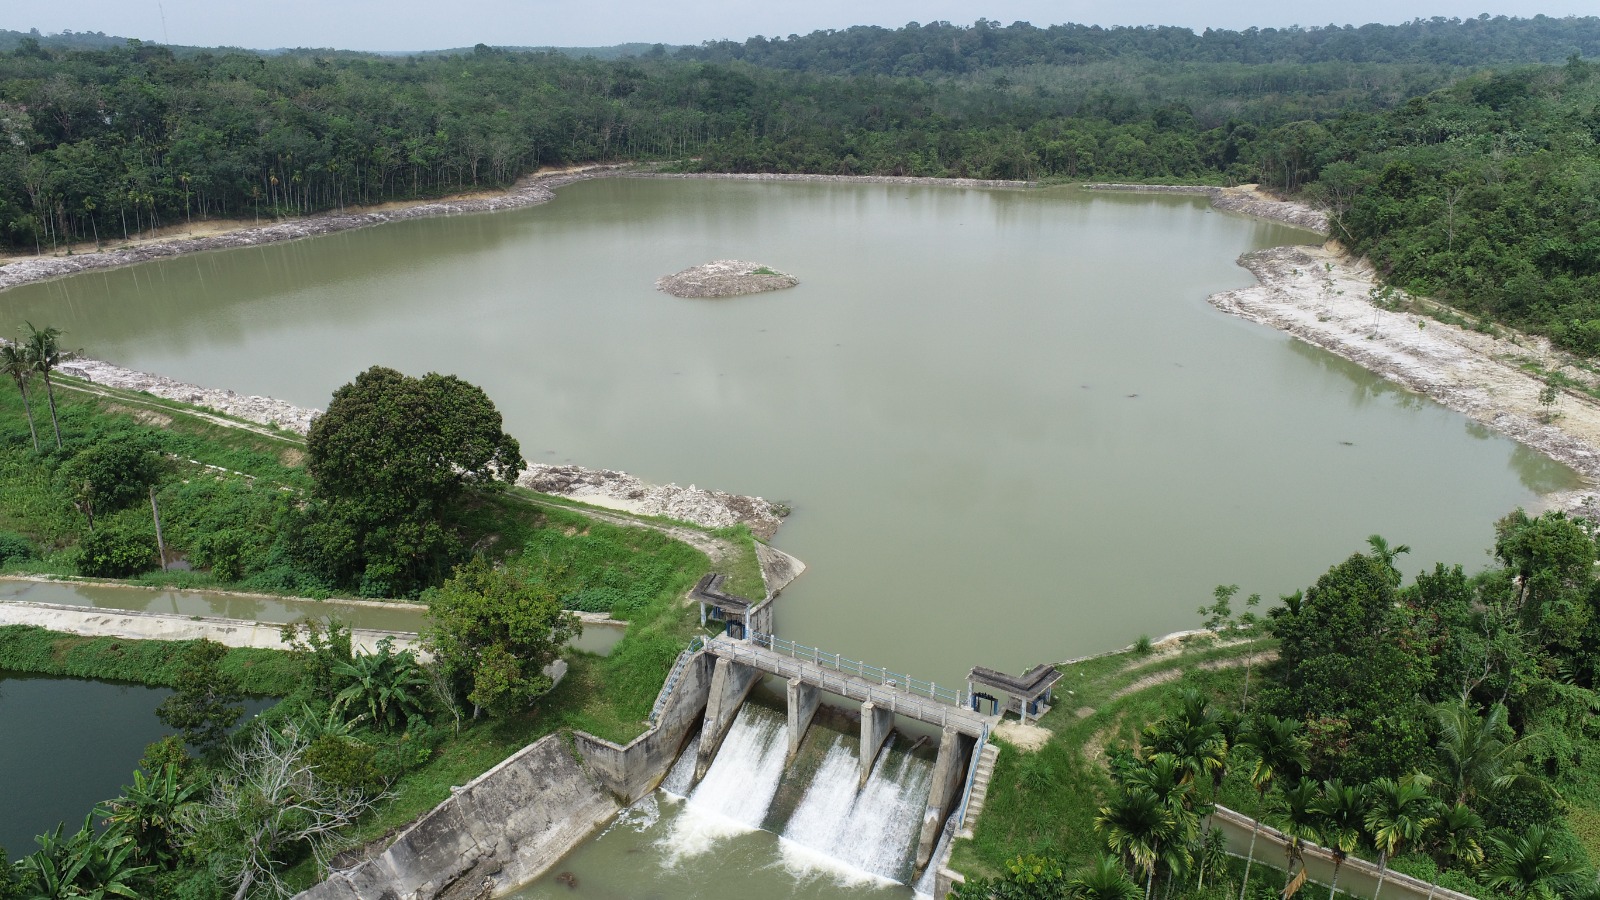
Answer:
(1045, 801)
(24, 648)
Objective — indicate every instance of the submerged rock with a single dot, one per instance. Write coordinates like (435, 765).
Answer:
(725, 278)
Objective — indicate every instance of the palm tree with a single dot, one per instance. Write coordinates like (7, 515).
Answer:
(1193, 736)
(1399, 812)
(1533, 866)
(1294, 813)
(1280, 749)
(1382, 552)
(1137, 826)
(1102, 879)
(14, 362)
(43, 347)
(1455, 839)
(1477, 752)
(1343, 809)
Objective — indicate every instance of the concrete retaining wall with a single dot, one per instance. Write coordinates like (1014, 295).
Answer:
(633, 771)
(146, 626)
(507, 826)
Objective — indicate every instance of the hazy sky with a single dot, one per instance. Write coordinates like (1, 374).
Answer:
(431, 24)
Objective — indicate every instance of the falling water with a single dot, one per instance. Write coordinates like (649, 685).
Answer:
(734, 796)
(681, 778)
(870, 832)
(925, 885)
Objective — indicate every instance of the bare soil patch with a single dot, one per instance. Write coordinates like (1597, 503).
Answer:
(1027, 738)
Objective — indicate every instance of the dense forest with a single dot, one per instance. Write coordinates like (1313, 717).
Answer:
(940, 48)
(1476, 186)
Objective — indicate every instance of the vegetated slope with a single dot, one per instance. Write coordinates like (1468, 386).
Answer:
(1486, 195)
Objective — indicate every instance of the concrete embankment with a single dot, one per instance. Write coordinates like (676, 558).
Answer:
(147, 626)
(511, 824)
(502, 830)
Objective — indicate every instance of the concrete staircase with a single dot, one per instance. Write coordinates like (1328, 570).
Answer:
(980, 788)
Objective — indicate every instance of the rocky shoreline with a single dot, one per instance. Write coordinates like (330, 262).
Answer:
(1246, 199)
(1321, 296)
(260, 410)
(601, 487)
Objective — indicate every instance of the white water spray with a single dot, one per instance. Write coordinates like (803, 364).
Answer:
(867, 835)
(734, 796)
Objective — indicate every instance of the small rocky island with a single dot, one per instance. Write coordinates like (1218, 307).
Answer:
(725, 278)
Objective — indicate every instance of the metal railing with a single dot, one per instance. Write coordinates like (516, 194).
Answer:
(972, 775)
(862, 670)
(667, 687)
(894, 699)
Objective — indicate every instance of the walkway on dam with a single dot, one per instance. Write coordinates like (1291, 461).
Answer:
(889, 697)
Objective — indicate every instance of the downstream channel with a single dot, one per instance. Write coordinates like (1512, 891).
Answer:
(1009, 425)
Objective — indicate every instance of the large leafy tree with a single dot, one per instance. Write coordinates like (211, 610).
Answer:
(393, 458)
(1344, 658)
(495, 631)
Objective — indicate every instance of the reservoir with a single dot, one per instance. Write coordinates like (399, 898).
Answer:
(1009, 425)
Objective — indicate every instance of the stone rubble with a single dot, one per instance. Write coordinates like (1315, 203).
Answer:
(619, 490)
(724, 278)
(603, 487)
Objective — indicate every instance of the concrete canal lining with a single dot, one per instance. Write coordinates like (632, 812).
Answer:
(147, 626)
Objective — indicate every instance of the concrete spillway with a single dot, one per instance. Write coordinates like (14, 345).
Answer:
(837, 828)
(869, 829)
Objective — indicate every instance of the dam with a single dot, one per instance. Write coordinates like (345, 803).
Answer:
(867, 802)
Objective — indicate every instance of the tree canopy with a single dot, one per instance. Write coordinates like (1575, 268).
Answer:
(495, 629)
(392, 458)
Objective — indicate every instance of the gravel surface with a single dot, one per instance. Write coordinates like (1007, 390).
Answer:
(725, 278)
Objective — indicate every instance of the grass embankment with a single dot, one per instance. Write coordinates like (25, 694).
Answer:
(222, 491)
(638, 572)
(25, 648)
(1045, 801)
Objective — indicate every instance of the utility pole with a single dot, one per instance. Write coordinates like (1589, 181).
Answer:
(155, 512)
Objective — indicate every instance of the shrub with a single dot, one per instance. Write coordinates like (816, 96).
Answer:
(15, 548)
(116, 552)
(346, 762)
(118, 468)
